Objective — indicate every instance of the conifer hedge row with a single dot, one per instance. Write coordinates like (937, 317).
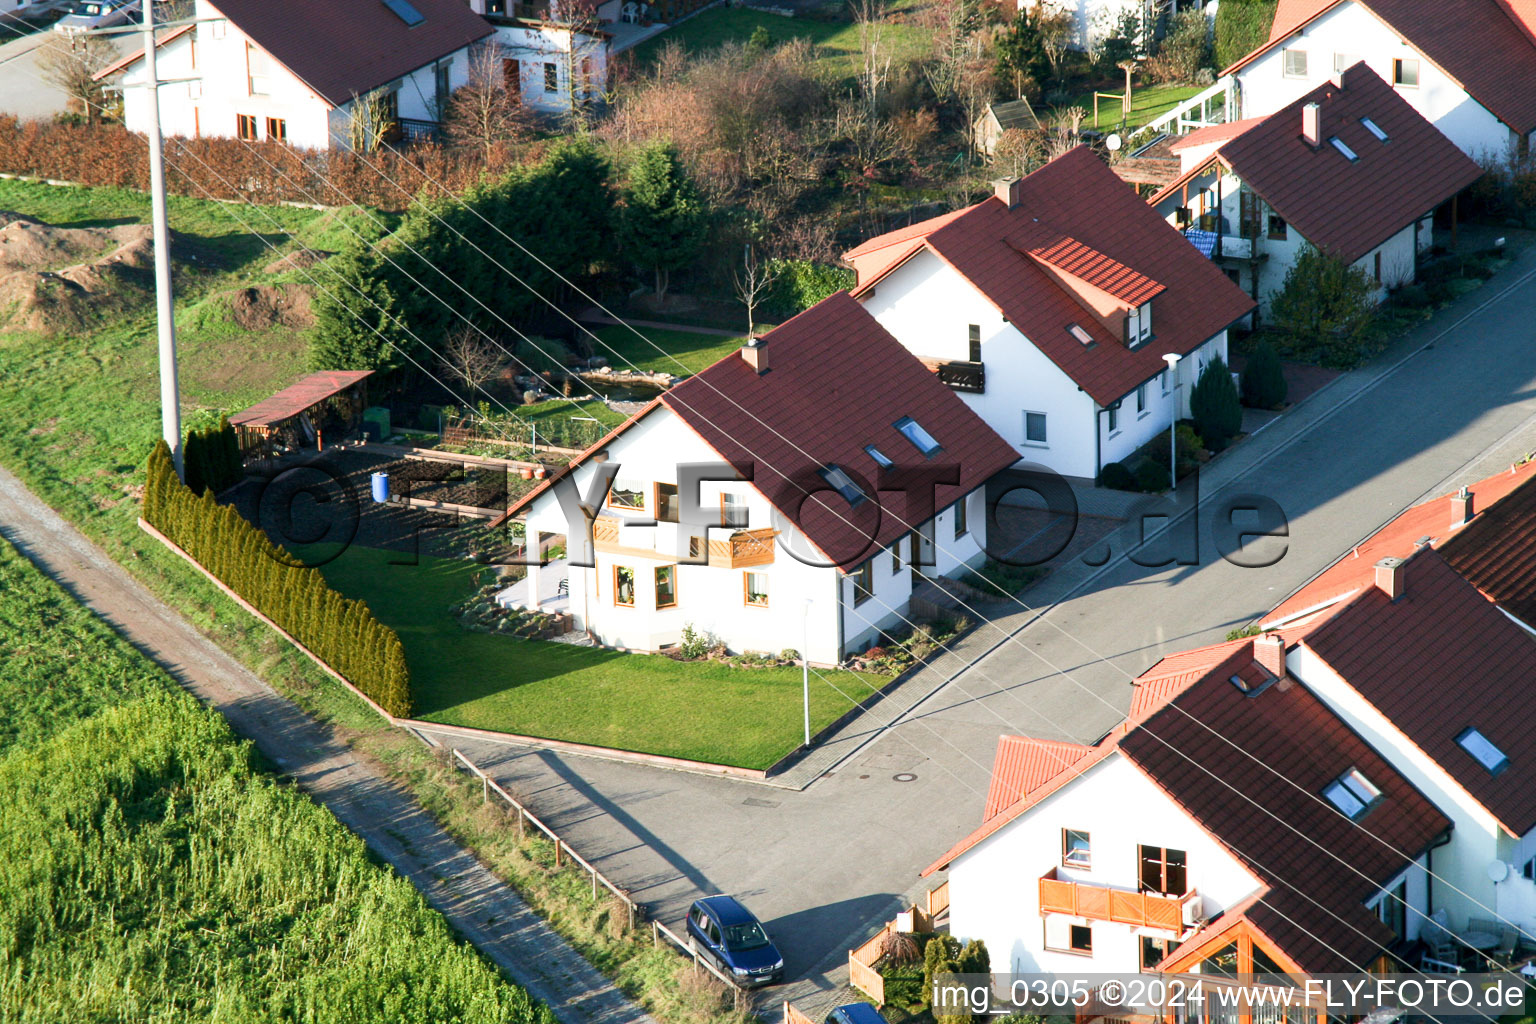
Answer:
(340, 631)
(212, 458)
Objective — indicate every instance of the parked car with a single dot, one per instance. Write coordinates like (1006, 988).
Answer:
(855, 1013)
(734, 939)
(97, 14)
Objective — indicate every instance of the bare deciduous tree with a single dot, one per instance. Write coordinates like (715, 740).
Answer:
(71, 64)
(752, 283)
(875, 63)
(471, 359)
(1018, 152)
(1066, 133)
(369, 119)
(483, 111)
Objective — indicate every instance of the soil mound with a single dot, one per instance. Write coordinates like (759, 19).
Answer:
(263, 306)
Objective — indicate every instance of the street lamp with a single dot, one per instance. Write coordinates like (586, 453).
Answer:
(805, 667)
(1172, 359)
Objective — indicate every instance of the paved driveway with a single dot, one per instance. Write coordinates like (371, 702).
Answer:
(23, 92)
(823, 865)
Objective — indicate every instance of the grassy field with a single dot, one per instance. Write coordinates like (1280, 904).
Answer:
(1147, 102)
(703, 711)
(150, 870)
(839, 39)
(682, 352)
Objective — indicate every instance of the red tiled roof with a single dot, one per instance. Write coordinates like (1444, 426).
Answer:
(1024, 764)
(1488, 48)
(137, 55)
(1251, 770)
(344, 47)
(1441, 659)
(1103, 272)
(1213, 133)
(1430, 519)
(1342, 206)
(1496, 551)
(295, 398)
(837, 381)
(987, 243)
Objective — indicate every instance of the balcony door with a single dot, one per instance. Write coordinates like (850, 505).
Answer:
(1162, 870)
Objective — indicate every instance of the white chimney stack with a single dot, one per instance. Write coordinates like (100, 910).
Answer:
(1311, 125)
(1003, 188)
(1269, 652)
(1389, 577)
(755, 354)
(1461, 508)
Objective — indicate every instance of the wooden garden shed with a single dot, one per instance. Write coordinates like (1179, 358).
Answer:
(327, 403)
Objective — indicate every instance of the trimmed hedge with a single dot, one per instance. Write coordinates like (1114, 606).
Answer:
(1241, 27)
(211, 458)
(340, 631)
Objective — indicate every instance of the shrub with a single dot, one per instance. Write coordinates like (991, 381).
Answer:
(341, 632)
(1150, 476)
(1117, 477)
(694, 643)
(938, 958)
(1184, 50)
(1241, 27)
(1326, 308)
(789, 654)
(1189, 442)
(1218, 413)
(1242, 632)
(211, 458)
(1412, 296)
(1264, 384)
(800, 284)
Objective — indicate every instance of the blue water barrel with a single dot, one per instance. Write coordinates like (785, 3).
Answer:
(380, 487)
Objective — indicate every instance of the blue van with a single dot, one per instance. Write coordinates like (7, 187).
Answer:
(734, 939)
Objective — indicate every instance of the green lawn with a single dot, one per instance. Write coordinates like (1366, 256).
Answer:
(703, 711)
(840, 39)
(1147, 102)
(681, 352)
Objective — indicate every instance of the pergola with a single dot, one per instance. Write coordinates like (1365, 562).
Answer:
(330, 401)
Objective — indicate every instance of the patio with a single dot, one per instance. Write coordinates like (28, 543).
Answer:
(544, 589)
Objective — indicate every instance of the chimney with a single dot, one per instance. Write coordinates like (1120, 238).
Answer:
(1461, 508)
(1269, 652)
(1004, 189)
(1389, 577)
(1311, 125)
(755, 354)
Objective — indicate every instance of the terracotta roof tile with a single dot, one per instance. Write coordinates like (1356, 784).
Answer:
(1441, 659)
(344, 47)
(1342, 206)
(1496, 551)
(1077, 195)
(1024, 764)
(1086, 263)
(1213, 133)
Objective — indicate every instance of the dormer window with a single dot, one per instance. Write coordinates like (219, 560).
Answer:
(1138, 324)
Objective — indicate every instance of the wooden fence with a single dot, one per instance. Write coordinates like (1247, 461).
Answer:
(862, 973)
(794, 1016)
(660, 931)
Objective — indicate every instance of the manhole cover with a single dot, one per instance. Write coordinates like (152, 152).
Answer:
(904, 777)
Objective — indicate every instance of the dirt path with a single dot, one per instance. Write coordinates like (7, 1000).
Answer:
(394, 825)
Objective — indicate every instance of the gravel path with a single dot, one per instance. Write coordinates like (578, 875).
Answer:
(483, 909)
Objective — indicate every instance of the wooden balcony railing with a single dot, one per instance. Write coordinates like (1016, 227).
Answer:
(741, 550)
(964, 376)
(1102, 903)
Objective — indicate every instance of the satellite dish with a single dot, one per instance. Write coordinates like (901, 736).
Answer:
(1113, 143)
(1498, 871)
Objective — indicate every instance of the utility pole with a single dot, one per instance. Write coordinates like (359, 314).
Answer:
(170, 392)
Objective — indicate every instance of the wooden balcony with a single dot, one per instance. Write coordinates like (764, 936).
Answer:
(1102, 903)
(741, 550)
(959, 374)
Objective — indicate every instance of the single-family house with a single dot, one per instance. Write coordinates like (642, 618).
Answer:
(317, 76)
(844, 475)
(1095, 20)
(1050, 307)
(1466, 65)
(554, 54)
(1350, 168)
(1234, 824)
(1014, 115)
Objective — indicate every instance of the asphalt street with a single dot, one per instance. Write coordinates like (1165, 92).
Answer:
(1453, 402)
(23, 91)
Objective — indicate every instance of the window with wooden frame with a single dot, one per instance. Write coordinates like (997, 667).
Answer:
(733, 510)
(1062, 935)
(666, 586)
(896, 557)
(1276, 226)
(1153, 951)
(1076, 850)
(1162, 870)
(551, 77)
(863, 581)
(629, 498)
(962, 525)
(1248, 214)
(666, 503)
(1405, 73)
(755, 589)
(623, 586)
(245, 126)
(258, 66)
(277, 129)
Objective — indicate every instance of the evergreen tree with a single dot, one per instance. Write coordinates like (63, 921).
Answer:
(358, 324)
(1264, 384)
(1021, 57)
(663, 221)
(1217, 413)
(191, 461)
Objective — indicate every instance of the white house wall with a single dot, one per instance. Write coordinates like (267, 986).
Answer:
(1166, 400)
(534, 47)
(1351, 30)
(177, 116)
(1092, 20)
(927, 306)
(1461, 884)
(994, 887)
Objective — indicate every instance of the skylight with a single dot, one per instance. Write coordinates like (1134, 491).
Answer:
(1338, 144)
(913, 431)
(1080, 334)
(882, 460)
(1374, 129)
(405, 12)
(1483, 750)
(1352, 793)
(842, 483)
